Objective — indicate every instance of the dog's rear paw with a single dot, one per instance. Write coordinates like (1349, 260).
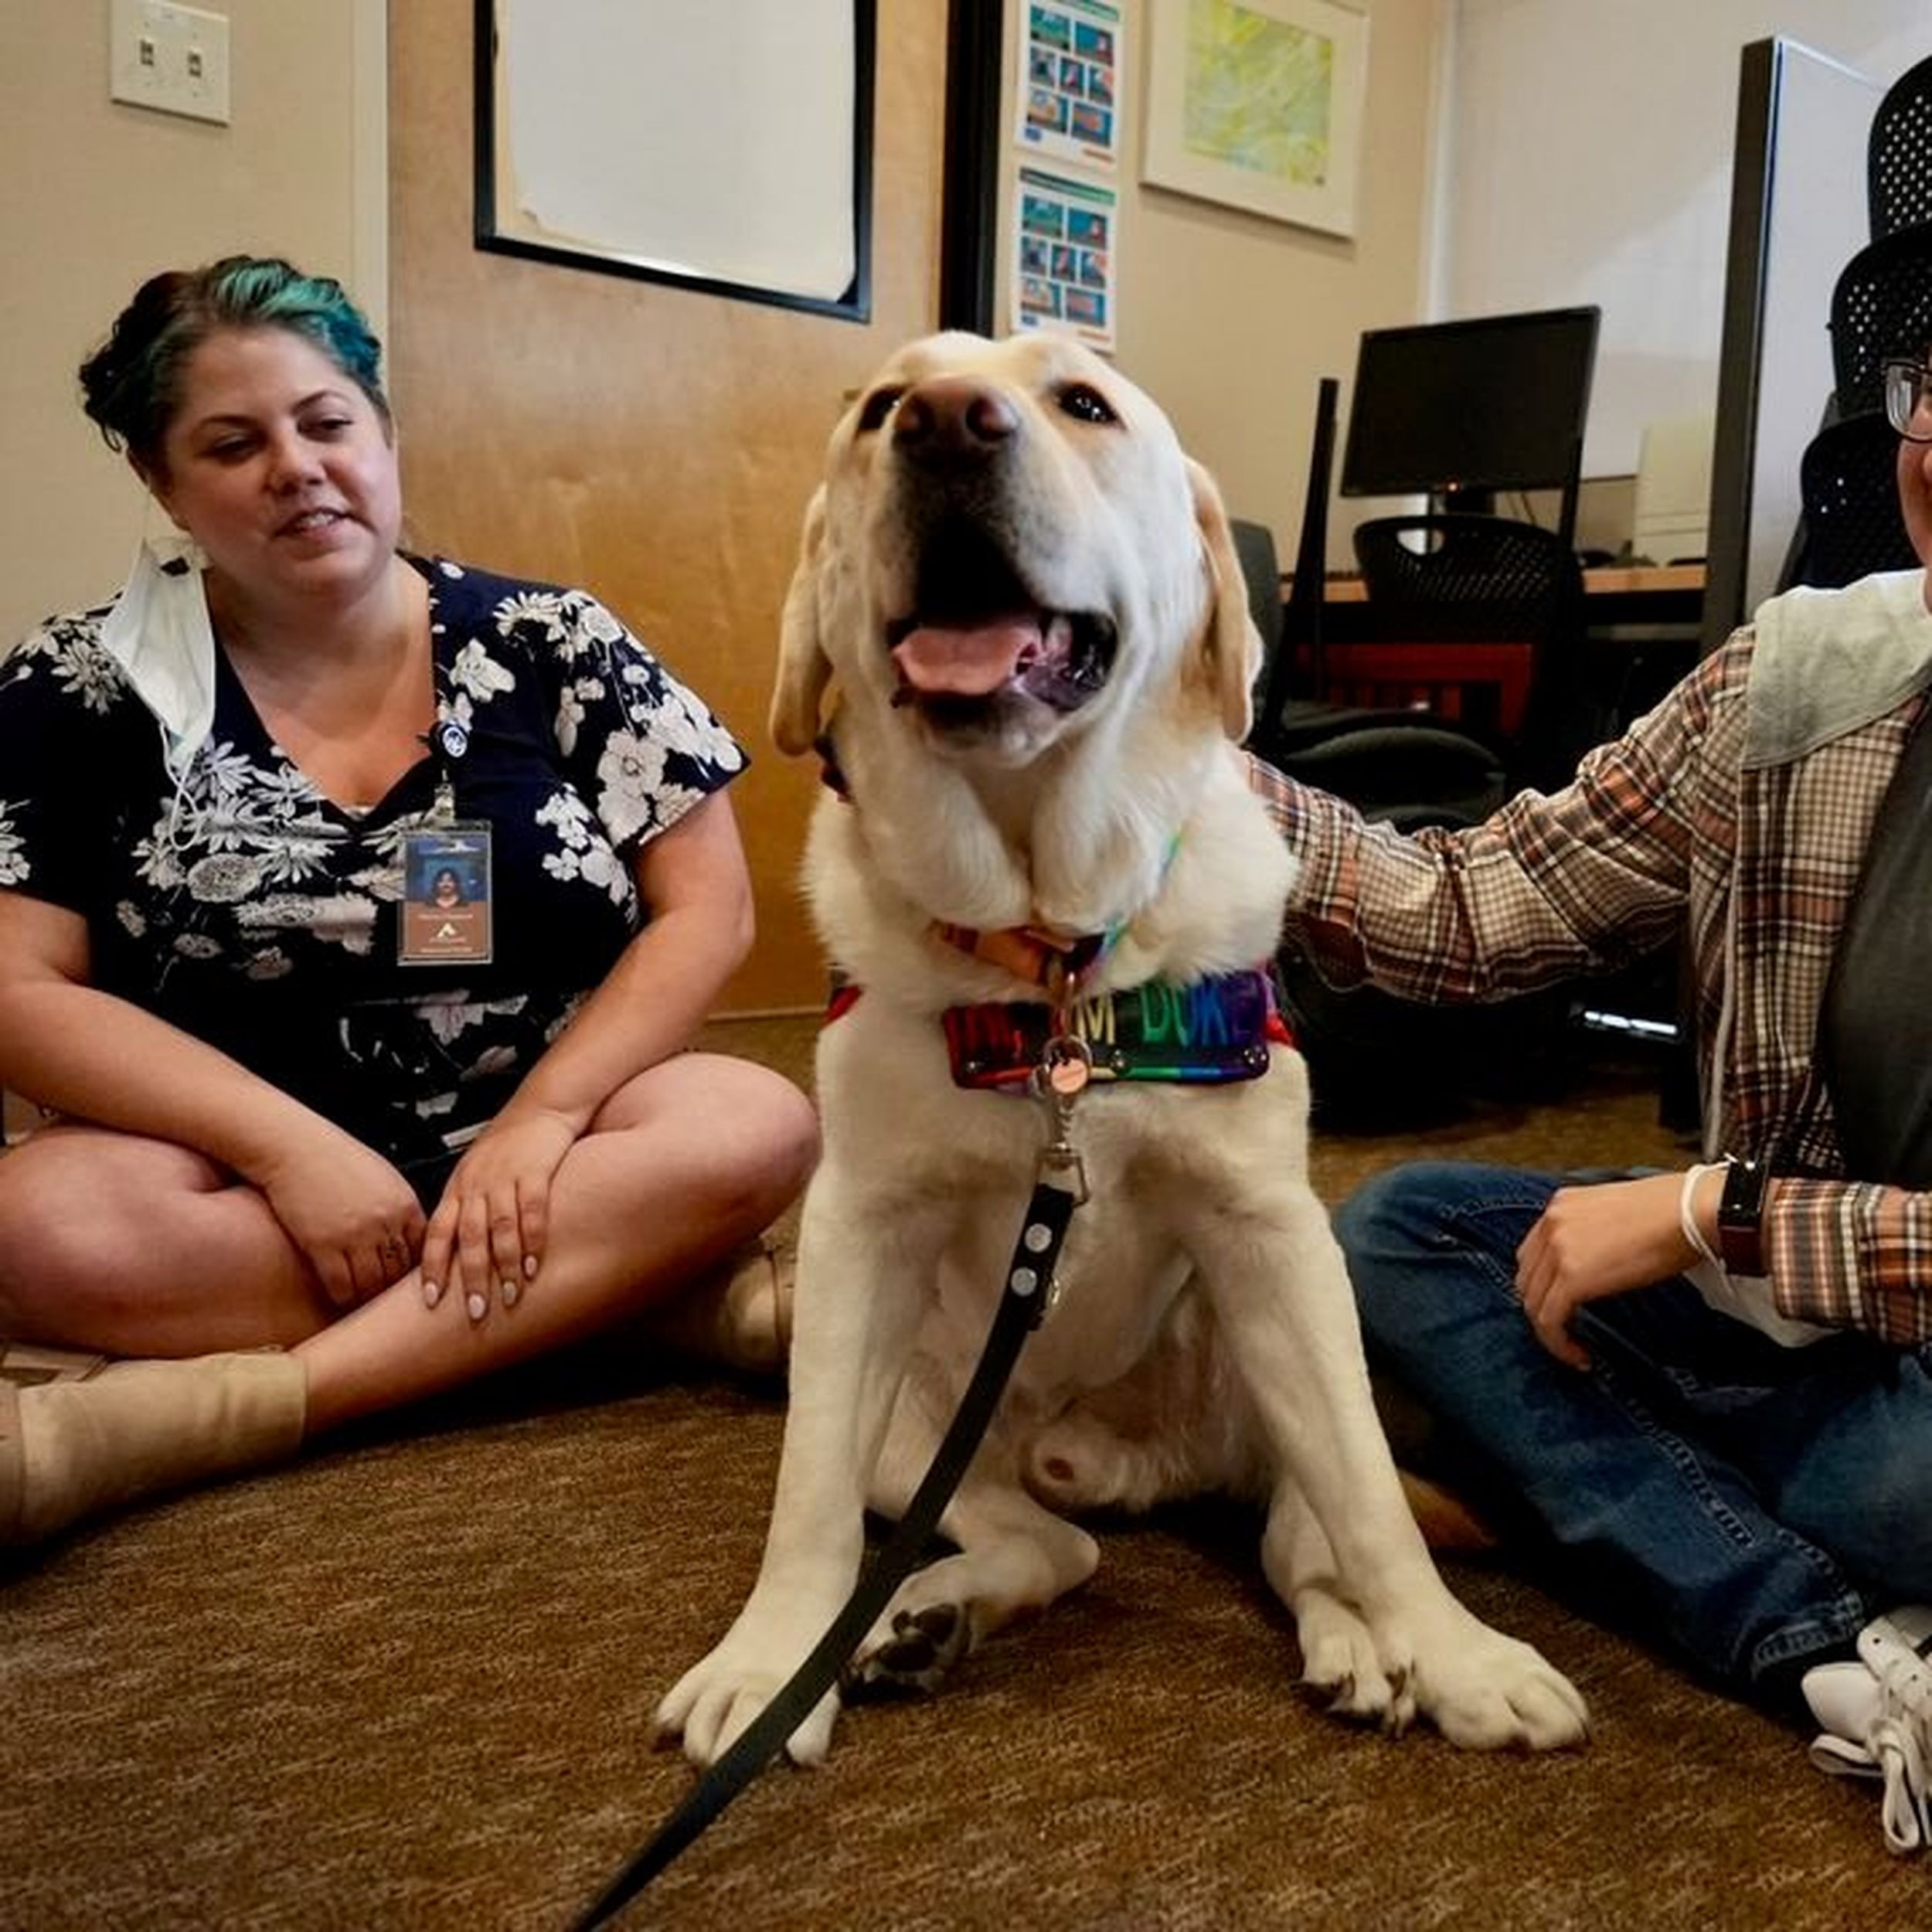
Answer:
(913, 1655)
(1341, 1669)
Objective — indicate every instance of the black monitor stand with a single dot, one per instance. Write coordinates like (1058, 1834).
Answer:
(1474, 502)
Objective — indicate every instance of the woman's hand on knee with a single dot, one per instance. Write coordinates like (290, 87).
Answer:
(1590, 1242)
(357, 1222)
(485, 1239)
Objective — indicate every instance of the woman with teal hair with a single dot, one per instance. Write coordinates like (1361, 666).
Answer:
(301, 1162)
(135, 383)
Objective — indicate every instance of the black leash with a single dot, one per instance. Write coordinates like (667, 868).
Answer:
(1022, 1304)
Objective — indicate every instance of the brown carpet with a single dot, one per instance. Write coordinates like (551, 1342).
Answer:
(408, 1684)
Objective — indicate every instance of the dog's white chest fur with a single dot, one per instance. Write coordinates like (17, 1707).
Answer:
(974, 1155)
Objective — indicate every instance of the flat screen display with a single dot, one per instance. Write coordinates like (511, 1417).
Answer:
(1458, 409)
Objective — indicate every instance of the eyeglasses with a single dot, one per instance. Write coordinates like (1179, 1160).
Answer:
(1908, 399)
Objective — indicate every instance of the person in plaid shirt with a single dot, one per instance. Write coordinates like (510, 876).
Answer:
(1708, 1394)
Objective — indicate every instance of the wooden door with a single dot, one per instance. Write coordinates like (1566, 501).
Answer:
(655, 445)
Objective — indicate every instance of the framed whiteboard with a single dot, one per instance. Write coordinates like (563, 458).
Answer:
(725, 148)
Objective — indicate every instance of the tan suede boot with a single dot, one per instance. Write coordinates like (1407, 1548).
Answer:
(740, 1317)
(70, 1449)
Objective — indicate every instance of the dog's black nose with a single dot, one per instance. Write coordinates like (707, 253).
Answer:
(953, 419)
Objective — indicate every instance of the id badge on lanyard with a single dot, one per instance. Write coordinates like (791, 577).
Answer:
(445, 913)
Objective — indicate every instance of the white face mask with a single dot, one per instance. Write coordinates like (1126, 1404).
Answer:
(159, 632)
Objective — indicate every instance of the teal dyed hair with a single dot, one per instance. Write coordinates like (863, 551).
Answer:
(131, 386)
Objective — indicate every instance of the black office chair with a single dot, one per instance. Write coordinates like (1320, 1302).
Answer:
(1850, 523)
(1377, 1063)
(1899, 154)
(1881, 307)
(1261, 573)
(1459, 580)
(1390, 762)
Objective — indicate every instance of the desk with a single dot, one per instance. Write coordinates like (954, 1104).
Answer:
(1641, 630)
(1644, 593)
(1671, 594)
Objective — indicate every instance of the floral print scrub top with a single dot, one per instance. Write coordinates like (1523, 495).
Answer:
(251, 910)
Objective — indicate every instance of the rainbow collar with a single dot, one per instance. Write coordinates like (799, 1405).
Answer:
(1208, 1032)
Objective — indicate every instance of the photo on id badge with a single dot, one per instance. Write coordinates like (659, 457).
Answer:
(446, 897)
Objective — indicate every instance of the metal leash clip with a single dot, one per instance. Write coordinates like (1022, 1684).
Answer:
(1065, 1065)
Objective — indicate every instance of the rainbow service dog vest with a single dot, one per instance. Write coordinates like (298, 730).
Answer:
(1208, 1032)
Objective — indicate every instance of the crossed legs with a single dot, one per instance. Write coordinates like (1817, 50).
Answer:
(1739, 1501)
(137, 1248)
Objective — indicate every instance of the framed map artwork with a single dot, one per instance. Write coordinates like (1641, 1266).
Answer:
(1258, 103)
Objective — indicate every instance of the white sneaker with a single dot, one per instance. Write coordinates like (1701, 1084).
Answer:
(1876, 1715)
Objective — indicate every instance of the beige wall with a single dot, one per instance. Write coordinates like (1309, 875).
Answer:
(1228, 318)
(1231, 319)
(95, 194)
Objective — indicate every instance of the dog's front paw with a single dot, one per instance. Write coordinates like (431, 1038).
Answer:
(1487, 1692)
(718, 1698)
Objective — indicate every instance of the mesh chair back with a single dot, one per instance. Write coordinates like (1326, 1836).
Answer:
(1483, 581)
(1881, 306)
(1459, 575)
(1393, 763)
(1898, 168)
(1847, 480)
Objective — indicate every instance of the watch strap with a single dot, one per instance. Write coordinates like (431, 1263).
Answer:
(1740, 1214)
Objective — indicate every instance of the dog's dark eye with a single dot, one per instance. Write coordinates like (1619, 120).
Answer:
(1088, 404)
(878, 406)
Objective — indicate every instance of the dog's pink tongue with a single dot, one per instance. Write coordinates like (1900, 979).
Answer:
(973, 661)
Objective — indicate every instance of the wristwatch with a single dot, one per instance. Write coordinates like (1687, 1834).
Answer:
(1740, 1209)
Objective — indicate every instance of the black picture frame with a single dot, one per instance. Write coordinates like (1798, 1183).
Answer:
(854, 304)
(969, 216)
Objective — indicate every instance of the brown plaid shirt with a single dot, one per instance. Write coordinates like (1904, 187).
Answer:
(1664, 831)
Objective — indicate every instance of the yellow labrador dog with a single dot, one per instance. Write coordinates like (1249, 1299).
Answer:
(1018, 631)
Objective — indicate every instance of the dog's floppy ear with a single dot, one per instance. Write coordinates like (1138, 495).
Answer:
(803, 669)
(1230, 644)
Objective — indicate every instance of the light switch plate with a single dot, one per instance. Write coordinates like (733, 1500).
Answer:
(172, 59)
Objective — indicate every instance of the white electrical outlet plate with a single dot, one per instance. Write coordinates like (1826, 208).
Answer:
(172, 59)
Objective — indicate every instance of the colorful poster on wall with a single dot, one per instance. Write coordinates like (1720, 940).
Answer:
(1067, 265)
(1069, 84)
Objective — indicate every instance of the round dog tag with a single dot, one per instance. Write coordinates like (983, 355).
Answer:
(1068, 1064)
(1068, 1077)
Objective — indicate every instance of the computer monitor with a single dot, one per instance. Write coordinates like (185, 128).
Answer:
(1458, 410)
(1671, 523)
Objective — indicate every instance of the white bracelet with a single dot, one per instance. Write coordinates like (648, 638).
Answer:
(1687, 1211)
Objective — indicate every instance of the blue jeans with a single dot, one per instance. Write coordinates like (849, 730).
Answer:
(1745, 1505)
